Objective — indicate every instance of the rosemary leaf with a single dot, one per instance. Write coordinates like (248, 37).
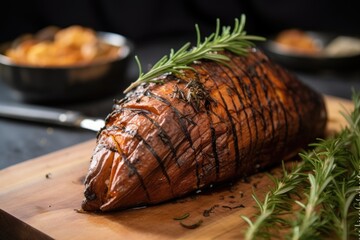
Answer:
(224, 38)
(329, 178)
(182, 217)
(192, 225)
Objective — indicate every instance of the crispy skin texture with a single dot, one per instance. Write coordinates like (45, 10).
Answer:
(216, 124)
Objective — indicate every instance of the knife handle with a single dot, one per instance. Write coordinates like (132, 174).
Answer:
(40, 114)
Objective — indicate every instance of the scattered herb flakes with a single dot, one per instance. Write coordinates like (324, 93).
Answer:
(192, 225)
(225, 206)
(231, 208)
(182, 217)
(207, 212)
(239, 206)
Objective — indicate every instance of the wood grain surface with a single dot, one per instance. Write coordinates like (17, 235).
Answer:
(46, 192)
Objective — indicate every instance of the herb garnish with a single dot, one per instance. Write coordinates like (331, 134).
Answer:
(207, 212)
(192, 225)
(234, 40)
(329, 177)
(182, 217)
(186, 225)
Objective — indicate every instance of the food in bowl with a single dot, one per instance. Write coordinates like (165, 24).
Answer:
(343, 46)
(295, 41)
(101, 76)
(74, 45)
(298, 41)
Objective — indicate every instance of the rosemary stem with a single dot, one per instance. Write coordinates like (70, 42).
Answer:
(235, 41)
(329, 176)
(274, 202)
(254, 228)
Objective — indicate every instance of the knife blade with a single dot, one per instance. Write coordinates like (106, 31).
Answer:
(42, 114)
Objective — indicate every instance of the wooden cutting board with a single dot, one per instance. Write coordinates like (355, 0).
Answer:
(45, 193)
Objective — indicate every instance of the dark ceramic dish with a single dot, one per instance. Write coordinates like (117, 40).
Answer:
(70, 83)
(309, 62)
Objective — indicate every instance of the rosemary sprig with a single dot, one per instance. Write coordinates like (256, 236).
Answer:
(329, 176)
(309, 219)
(224, 38)
(182, 217)
(275, 203)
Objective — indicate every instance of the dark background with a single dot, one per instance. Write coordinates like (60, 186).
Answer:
(143, 20)
(155, 27)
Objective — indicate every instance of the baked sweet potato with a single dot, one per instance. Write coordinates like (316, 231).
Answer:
(210, 124)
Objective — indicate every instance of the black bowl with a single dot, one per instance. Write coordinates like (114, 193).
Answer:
(320, 62)
(68, 83)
